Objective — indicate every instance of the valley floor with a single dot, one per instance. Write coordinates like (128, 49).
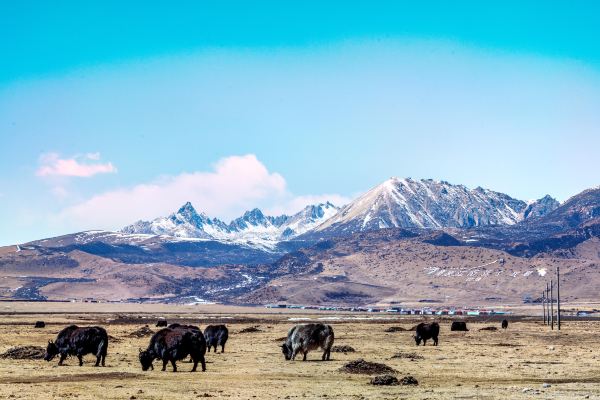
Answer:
(512, 364)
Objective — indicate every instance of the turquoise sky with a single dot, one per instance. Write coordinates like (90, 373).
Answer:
(114, 111)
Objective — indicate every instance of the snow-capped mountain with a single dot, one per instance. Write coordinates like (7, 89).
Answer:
(252, 226)
(427, 203)
(185, 223)
(404, 203)
(540, 207)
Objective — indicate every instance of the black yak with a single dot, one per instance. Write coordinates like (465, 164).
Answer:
(77, 341)
(460, 326)
(174, 344)
(216, 335)
(425, 332)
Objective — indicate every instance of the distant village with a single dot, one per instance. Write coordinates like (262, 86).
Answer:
(397, 310)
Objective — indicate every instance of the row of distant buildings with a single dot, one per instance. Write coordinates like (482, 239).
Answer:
(395, 310)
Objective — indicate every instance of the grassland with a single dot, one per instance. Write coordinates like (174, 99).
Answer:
(472, 365)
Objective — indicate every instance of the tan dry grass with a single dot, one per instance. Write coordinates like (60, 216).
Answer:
(471, 365)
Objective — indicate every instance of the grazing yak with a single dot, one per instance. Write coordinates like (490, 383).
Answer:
(40, 324)
(161, 323)
(504, 324)
(173, 344)
(460, 326)
(77, 341)
(426, 332)
(180, 326)
(306, 337)
(216, 335)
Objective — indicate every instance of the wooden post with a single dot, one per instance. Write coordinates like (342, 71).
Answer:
(551, 304)
(544, 305)
(558, 298)
(547, 304)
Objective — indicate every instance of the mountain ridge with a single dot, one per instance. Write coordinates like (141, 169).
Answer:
(426, 203)
(397, 202)
(186, 222)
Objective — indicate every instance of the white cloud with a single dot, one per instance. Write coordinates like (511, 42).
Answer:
(236, 184)
(53, 165)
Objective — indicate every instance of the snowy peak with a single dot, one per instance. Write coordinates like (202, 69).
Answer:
(252, 226)
(185, 223)
(187, 209)
(253, 218)
(426, 203)
(188, 214)
(308, 218)
(540, 207)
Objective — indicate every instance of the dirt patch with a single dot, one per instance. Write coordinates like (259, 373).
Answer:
(488, 328)
(410, 356)
(542, 362)
(251, 329)
(72, 378)
(114, 339)
(387, 380)
(409, 380)
(24, 353)
(343, 349)
(396, 329)
(280, 339)
(142, 332)
(361, 366)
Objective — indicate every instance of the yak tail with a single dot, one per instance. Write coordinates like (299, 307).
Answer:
(102, 347)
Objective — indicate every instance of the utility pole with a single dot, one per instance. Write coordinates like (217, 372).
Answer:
(544, 305)
(547, 304)
(558, 298)
(551, 304)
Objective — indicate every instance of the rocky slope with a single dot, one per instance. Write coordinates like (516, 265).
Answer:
(395, 266)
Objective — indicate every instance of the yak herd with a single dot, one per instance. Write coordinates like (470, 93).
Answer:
(177, 342)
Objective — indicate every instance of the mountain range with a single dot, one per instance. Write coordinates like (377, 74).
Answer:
(253, 226)
(396, 203)
(402, 241)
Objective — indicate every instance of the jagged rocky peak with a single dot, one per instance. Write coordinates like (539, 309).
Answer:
(187, 213)
(251, 218)
(317, 211)
(252, 225)
(254, 215)
(540, 207)
(187, 209)
(576, 210)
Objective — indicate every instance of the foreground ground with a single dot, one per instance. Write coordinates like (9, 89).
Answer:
(518, 363)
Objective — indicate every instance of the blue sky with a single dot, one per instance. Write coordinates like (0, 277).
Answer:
(114, 111)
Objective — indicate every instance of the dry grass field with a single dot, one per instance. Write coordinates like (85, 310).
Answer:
(475, 365)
